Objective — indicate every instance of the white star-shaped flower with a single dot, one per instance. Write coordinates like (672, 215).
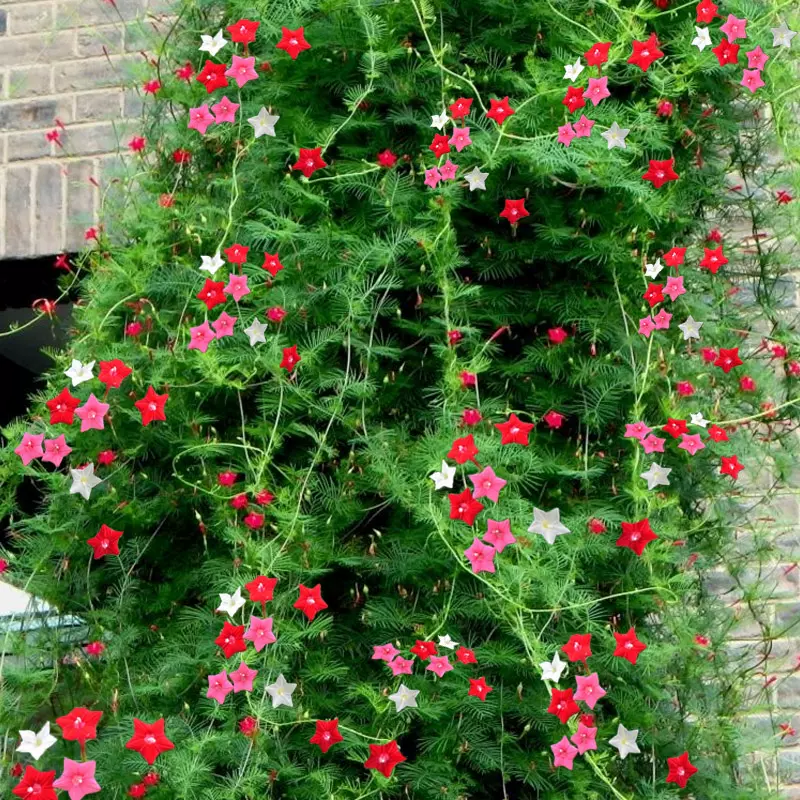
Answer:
(782, 36)
(476, 179)
(703, 38)
(446, 641)
(80, 373)
(83, 481)
(571, 71)
(230, 603)
(690, 328)
(211, 264)
(615, 136)
(625, 741)
(656, 476)
(548, 524)
(443, 479)
(264, 123)
(652, 270)
(36, 743)
(213, 44)
(439, 120)
(551, 670)
(255, 330)
(404, 698)
(699, 419)
(281, 692)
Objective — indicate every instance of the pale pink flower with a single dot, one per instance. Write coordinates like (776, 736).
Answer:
(480, 556)
(583, 127)
(589, 689)
(237, 286)
(30, 447)
(674, 287)
(691, 443)
(646, 326)
(566, 133)
(734, 28)
(487, 484)
(563, 753)
(200, 118)
(242, 70)
(652, 444)
(91, 414)
(401, 666)
(636, 430)
(432, 177)
(243, 678)
(448, 170)
(439, 665)
(499, 534)
(460, 138)
(384, 652)
(260, 632)
(225, 110)
(598, 90)
(584, 738)
(56, 450)
(223, 325)
(662, 320)
(756, 59)
(201, 337)
(77, 779)
(219, 687)
(751, 79)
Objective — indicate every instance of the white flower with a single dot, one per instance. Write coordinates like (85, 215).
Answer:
(551, 670)
(211, 264)
(476, 179)
(615, 136)
(281, 692)
(439, 120)
(83, 481)
(703, 38)
(699, 419)
(656, 476)
(571, 71)
(782, 36)
(548, 524)
(230, 603)
(264, 123)
(446, 641)
(625, 741)
(80, 373)
(443, 479)
(256, 332)
(36, 743)
(652, 270)
(213, 44)
(690, 328)
(404, 698)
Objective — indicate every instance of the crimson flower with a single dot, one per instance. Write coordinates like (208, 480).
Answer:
(387, 158)
(79, 725)
(579, 647)
(137, 790)
(726, 53)
(95, 649)
(783, 197)
(661, 172)
(231, 640)
(213, 76)
(514, 211)
(272, 263)
(137, 144)
(597, 54)
(293, 42)
(236, 253)
(515, 431)
(211, 294)
(105, 543)
(463, 450)
(717, 434)
(62, 261)
(243, 31)
(675, 427)
(470, 416)
(36, 785)
(239, 501)
(326, 734)
(310, 601)
(248, 726)
(573, 99)
(713, 259)
(309, 161)
(645, 53)
(680, 769)
(675, 256)
(460, 108)
(664, 109)
(264, 497)
(151, 406)
(424, 650)
(728, 359)
(185, 72)
(106, 457)
(557, 335)
(479, 688)
(440, 145)
(62, 407)
(553, 419)
(654, 294)
(261, 588)
(181, 156)
(562, 705)
(706, 11)
(254, 520)
(151, 779)
(466, 656)
(113, 372)
(731, 466)
(454, 337)
(596, 525)
(464, 507)
(628, 646)
(468, 379)
(747, 384)
(636, 535)
(290, 358)
(149, 740)
(500, 110)
(151, 87)
(384, 758)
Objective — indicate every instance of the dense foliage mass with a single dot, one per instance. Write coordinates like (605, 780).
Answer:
(512, 324)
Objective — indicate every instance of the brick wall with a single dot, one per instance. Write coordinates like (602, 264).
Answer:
(64, 60)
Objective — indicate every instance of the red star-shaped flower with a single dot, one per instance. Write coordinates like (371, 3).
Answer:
(211, 294)
(717, 434)
(62, 407)
(310, 601)
(290, 358)
(680, 770)
(636, 535)
(151, 406)
(464, 507)
(105, 542)
(726, 53)
(231, 639)
(675, 427)
(113, 372)
(514, 211)
(243, 31)
(440, 145)
(424, 650)
(675, 256)
(645, 53)
(573, 99)
(500, 110)
(731, 466)
(309, 161)
(236, 253)
(261, 588)
(628, 646)
(387, 158)
(654, 294)
(466, 656)
(479, 688)
(463, 450)
(728, 359)
(713, 259)
(212, 76)
(293, 42)
(579, 647)
(36, 785)
(326, 734)
(706, 11)
(460, 108)
(515, 431)
(562, 705)
(661, 172)
(384, 758)
(149, 740)
(272, 263)
(597, 54)
(79, 725)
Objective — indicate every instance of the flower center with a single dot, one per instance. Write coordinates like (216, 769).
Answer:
(150, 739)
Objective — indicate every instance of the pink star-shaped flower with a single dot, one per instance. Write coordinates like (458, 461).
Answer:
(636, 430)
(691, 443)
(30, 447)
(734, 28)
(77, 779)
(487, 484)
(598, 90)
(219, 687)
(589, 689)
(237, 286)
(584, 738)
(200, 118)
(563, 753)
(751, 79)
(460, 138)
(439, 665)
(646, 326)
(662, 320)
(566, 133)
(201, 337)
(652, 444)
(480, 556)
(583, 127)
(674, 287)
(401, 666)
(384, 652)
(223, 325)
(56, 450)
(432, 177)
(448, 170)
(225, 110)
(91, 414)
(242, 70)
(243, 678)
(499, 534)
(756, 59)
(260, 632)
